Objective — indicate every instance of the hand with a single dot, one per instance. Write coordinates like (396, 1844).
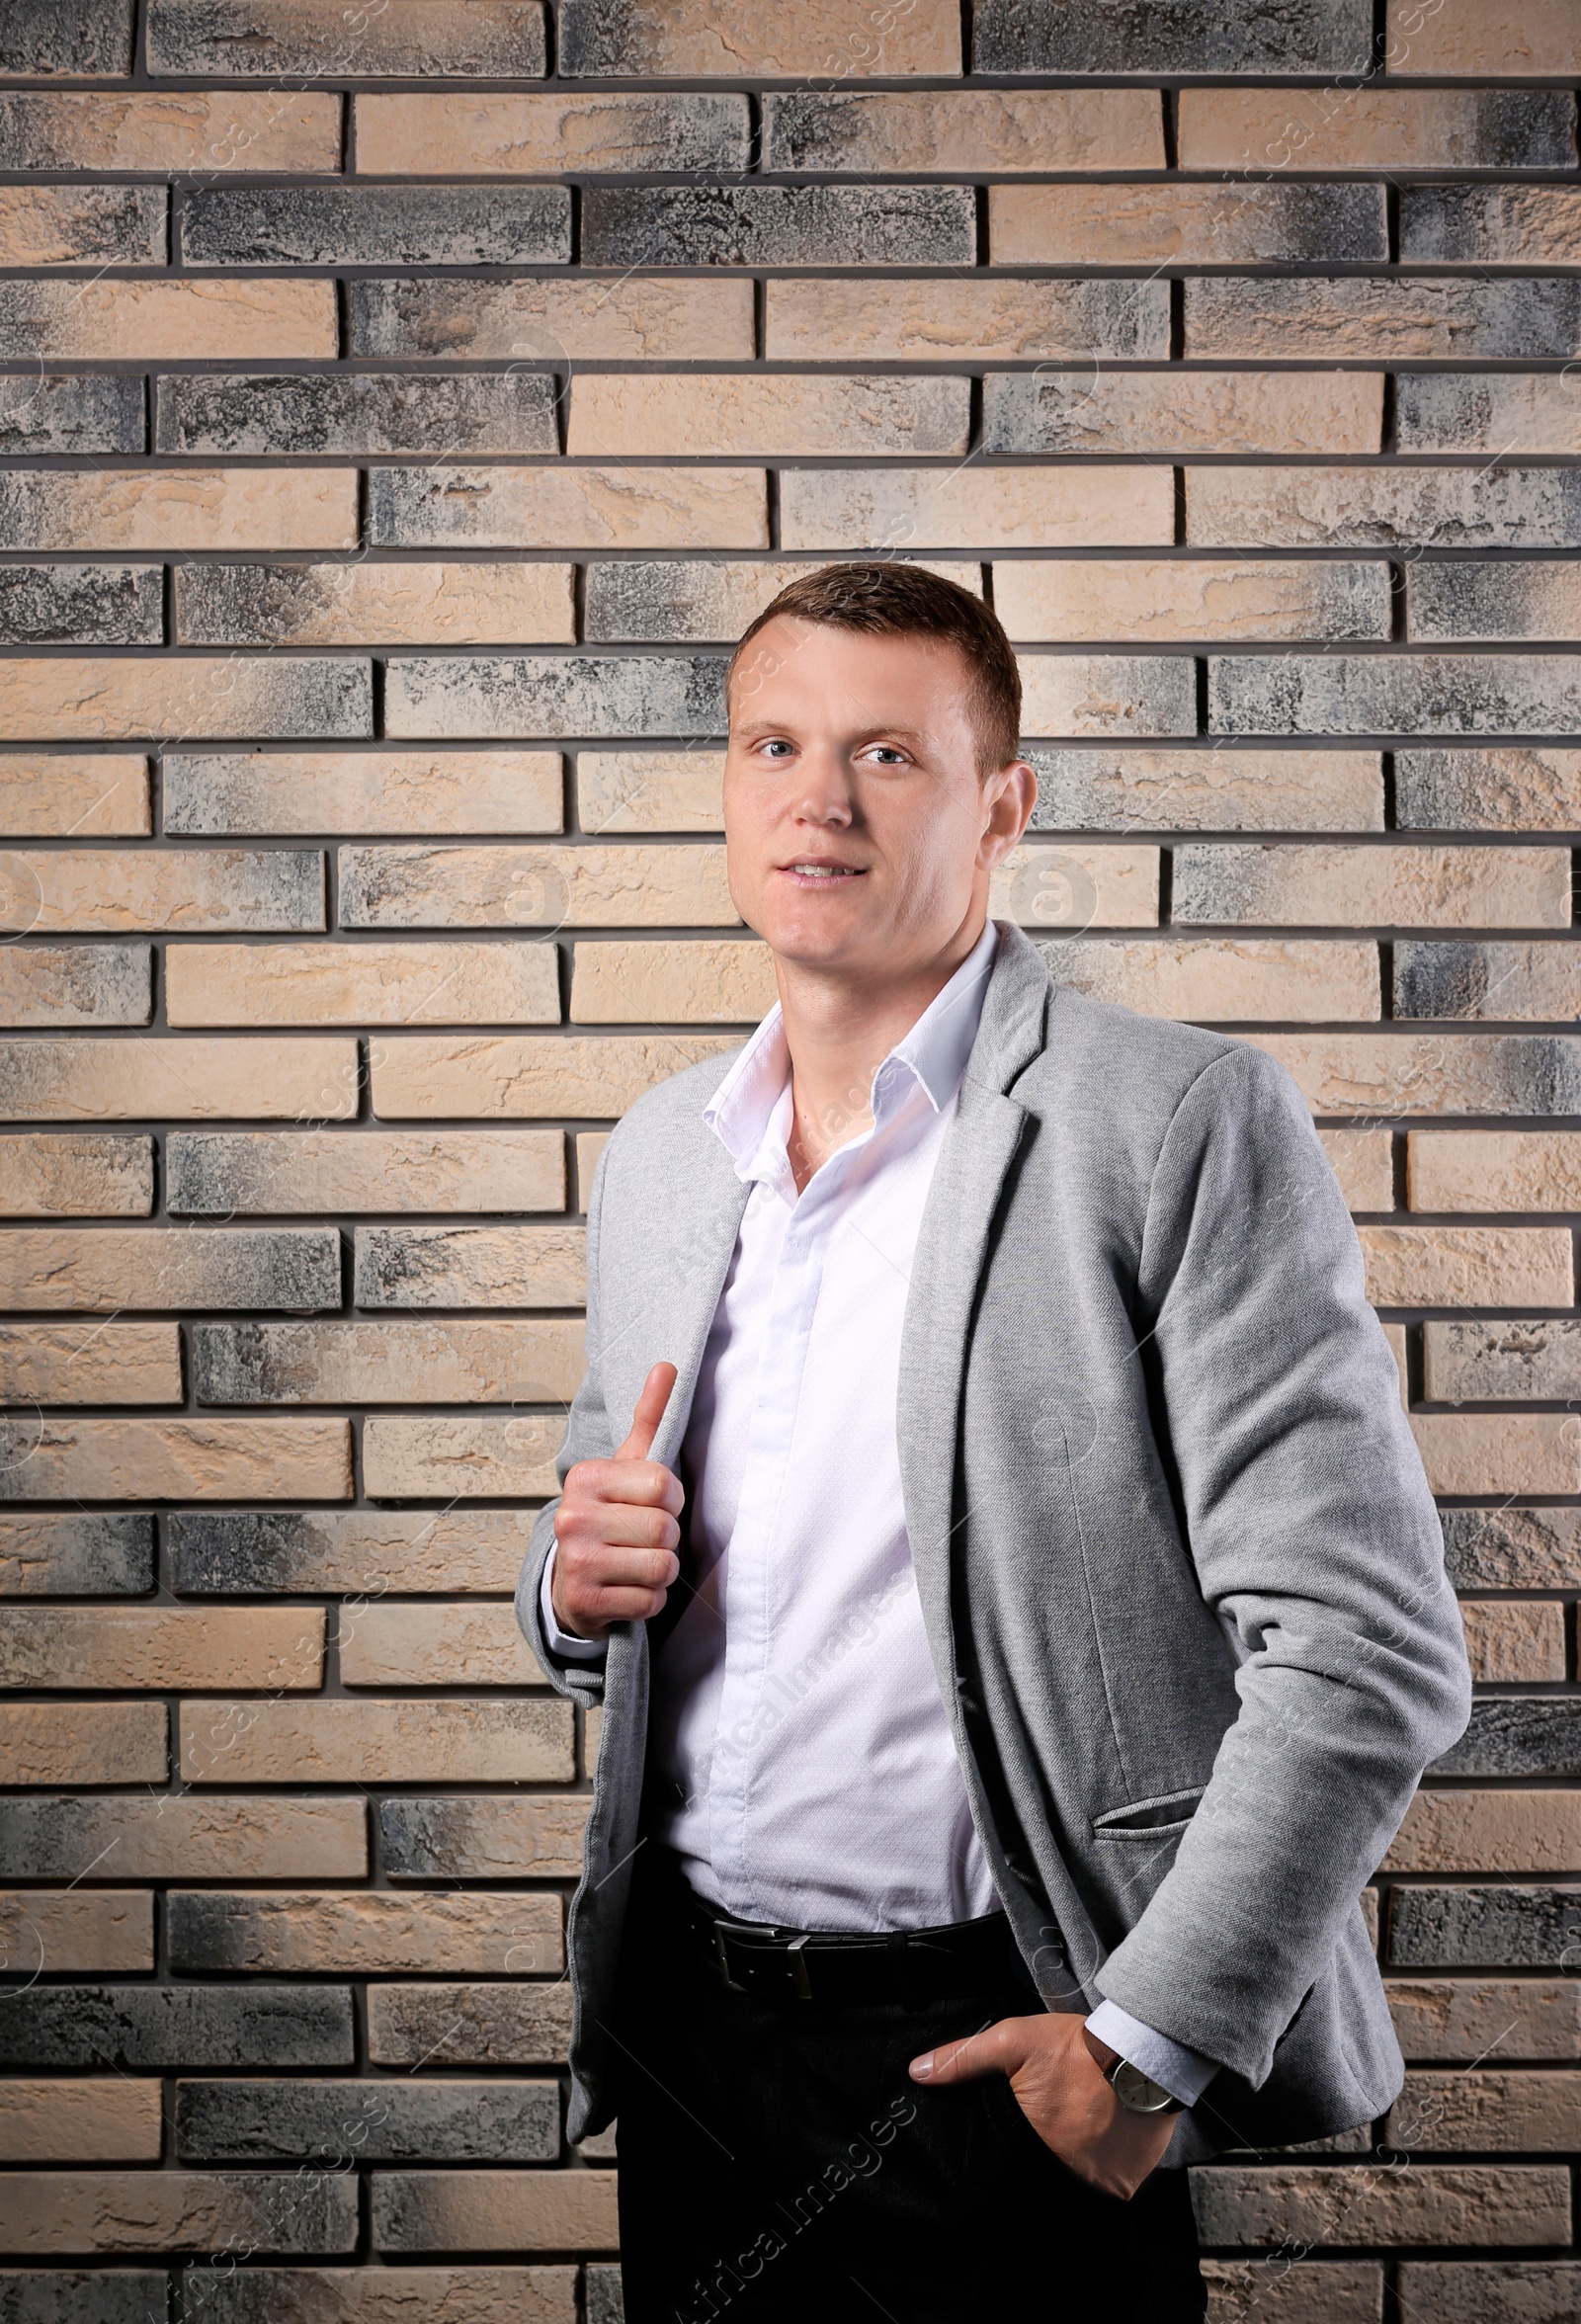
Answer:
(1056, 2070)
(616, 1528)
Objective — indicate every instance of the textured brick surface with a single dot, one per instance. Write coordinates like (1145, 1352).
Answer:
(265, 36)
(693, 39)
(350, 1552)
(1489, 2291)
(387, 2296)
(521, 2023)
(1085, 409)
(276, 1933)
(944, 319)
(1465, 2203)
(95, 2122)
(186, 1838)
(383, 1170)
(346, 1742)
(495, 2211)
(444, 2122)
(179, 2210)
(158, 132)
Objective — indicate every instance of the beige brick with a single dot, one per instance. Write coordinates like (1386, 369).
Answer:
(476, 1836)
(616, 413)
(340, 1742)
(1483, 226)
(1468, 1266)
(1044, 886)
(1520, 1358)
(1364, 1163)
(1386, 1073)
(999, 507)
(461, 1459)
(1092, 409)
(616, 507)
(75, 986)
(1399, 886)
(103, 1930)
(1507, 1453)
(82, 225)
(51, 2212)
(1501, 413)
(375, 605)
(82, 1743)
(636, 318)
(92, 1080)
(1494, 1170)
(183, 508)
(418, 2295)
(1276, 2292)
(1075, 599)
(466, 133)
(1490, 2111)
(109, 2119)
(306, 1932)
(1170, 223)
(534, 888)
(699, 40)
(590, 1145)
(1520, 1644)
(1107, 694)
(966, 131)
(1374, 319)
(55, 1177)
(1514, 40)
(1208, 790)
(1489, 1832)
(362, 792)
(376, 1170)
(687, 983)
(1211, 980)
(941, 319)
(354, 1553)
(1498, 983)
(115, 698)
(58, 796)
(469, 1266)
(1476, 2017)
(462, 1363)
(123, 891)
(1395, 1335)
(361, 984)
(1444, 2203)
(177, 1837)
(1335, 129)
(175, 1460)
(123, 1647)
(1348, 508)
(83, 1364)
(649, 791)
(516, 1076)
(162, 131)
(110, 321)
(495, 2211)
(436, 1646)
(97, 1268)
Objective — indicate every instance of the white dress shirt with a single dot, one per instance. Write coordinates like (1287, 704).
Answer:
(802, 1760)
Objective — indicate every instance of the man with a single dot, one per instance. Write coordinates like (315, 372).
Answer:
(990, 1527)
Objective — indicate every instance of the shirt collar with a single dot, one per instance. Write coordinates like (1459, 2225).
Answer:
(746, 1108)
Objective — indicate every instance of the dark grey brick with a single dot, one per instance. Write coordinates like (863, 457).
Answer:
(73, 985)
(778, 226)
(372, 412)
(336, 1552)
(252, 39)
(1465, 602)
(87, 39)
(1187, 37)
(526, 2023)
(68, 2295)
(1518, 1735)
(482, 1838)
(1442, 979)
(606, 2298)
(555, 696)
(1394, 693)
(1487, 790)
(1518, 318)
(77, 1556)
(1481, 224)
(82, 605)
(376, 226)
(1513, 1548)
(1484, 1928)
(395, 2122)
(49, 411)
(256, 604)
(170, 2026)
(252, 1549)
(1530, 1358)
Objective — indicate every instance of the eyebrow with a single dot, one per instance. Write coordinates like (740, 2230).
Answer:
(750, 728)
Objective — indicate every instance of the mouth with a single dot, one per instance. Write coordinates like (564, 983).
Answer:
(821, 871)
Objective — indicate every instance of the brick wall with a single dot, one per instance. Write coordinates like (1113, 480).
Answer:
(403, 405)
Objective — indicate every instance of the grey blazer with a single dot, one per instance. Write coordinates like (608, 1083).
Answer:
(1182, 1575)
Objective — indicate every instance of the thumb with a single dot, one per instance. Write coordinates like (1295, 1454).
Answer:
(649, 1412)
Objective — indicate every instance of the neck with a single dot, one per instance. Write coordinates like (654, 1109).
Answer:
(839, 1029)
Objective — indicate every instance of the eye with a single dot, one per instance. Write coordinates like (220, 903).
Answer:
(885, 754)
(775, 747)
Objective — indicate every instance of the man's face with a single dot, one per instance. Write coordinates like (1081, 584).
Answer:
(859, 835)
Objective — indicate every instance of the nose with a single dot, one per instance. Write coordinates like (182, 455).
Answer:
(825, 792)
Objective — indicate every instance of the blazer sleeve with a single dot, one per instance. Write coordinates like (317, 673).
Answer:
(587, 1438)
(1315, 1541)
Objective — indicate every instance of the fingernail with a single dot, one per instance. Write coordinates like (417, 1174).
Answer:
(921, 2068)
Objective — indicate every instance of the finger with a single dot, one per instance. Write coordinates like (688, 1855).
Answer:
(631, 1484)
(999, 2049)
(649, 1412)
(617, 1524)
(636, 1569)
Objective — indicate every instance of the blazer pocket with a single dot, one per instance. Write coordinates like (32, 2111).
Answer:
(1149, 1820)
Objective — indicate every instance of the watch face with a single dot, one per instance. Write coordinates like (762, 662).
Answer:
(1133, 2090)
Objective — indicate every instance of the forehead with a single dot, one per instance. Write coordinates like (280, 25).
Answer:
(815, 671)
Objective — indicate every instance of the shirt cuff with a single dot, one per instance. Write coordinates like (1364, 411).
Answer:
(565, 1645)
(1184, 2073)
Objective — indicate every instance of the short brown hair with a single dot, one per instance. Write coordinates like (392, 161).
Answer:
(891, 600)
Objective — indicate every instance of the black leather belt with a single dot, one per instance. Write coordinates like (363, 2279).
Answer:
(909, 1966)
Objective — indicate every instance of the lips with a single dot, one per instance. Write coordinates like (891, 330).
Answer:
(822, 874)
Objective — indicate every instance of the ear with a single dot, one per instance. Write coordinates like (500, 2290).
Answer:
(1008, 800)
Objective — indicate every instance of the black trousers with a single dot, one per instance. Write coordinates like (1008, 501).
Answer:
(778, 2166)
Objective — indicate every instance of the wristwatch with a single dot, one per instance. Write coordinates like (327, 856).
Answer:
(1137, 2093)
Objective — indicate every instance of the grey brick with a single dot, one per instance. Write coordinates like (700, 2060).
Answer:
(1194, 790)
(1513, 1548)
(469, 2293)
(1456, 603)
(605, 2296)
(523, 2024)
(82, 605)
(90, 40)
(51, 411)
(1394, 693)
(67, 2296)
(76, 1556)
(94, 1268)
(76, 984)
(376, 226)
(1496, 412)
(322, 1171)
(1430, 508)
(1533, 1356)
(99, 226)
(1490, 2292)
(778, 226)
(259, 1551)
(650, 600)
(1187, 37)
(1488, 982)
(1491, 225)
(1518, 1735)
(99, 2027)
(395, 2122)
(1488, 790)
(468, 1266)
(253, 39)
(359, 413)
(482, 1838)
(1237, 316)
(1483, 1927)
(556, 697)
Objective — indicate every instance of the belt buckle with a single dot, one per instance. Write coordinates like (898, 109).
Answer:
(730, 1984)
(799, 1976)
